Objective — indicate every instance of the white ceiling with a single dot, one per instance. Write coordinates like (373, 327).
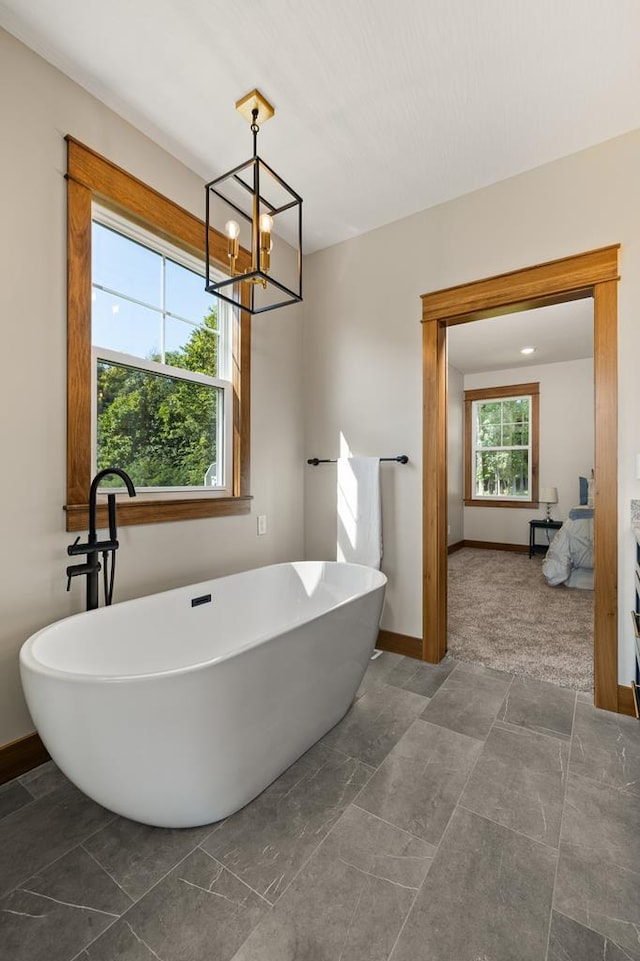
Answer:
(560, 332)
(382, 108)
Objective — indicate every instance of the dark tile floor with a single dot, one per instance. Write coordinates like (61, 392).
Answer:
(455, 814)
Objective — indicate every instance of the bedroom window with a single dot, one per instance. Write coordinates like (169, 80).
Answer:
(501, 440)
(158, 372)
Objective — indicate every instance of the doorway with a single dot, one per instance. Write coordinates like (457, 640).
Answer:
(592, 274)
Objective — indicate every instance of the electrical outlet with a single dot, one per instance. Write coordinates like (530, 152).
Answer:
(262, 524)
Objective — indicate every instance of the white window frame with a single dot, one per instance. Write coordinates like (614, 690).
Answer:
(224, 441)
(511, 447)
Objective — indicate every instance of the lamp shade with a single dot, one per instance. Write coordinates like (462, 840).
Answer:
(548, 495)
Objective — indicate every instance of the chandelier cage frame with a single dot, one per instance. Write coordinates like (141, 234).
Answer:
(253, 179)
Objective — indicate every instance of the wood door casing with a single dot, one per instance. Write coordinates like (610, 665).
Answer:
(591, 274)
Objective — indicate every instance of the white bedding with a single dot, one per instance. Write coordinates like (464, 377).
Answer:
(570, 550)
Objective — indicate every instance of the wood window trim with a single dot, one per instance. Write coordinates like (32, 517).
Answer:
(91, 177)
(496, 393)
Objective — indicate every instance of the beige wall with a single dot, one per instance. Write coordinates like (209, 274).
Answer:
(455, 455)
(566, 445)
(42, 107)
(362, 340)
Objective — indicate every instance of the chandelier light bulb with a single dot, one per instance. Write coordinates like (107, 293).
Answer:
(266, 224)
(232, 229)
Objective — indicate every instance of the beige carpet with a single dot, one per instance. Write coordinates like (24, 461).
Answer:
(503, 614)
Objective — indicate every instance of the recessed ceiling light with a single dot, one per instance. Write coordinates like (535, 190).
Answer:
(528, 350)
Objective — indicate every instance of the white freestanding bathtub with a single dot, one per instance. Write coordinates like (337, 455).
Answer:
(179, 708)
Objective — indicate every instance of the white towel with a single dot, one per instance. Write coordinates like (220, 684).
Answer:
(359, 511)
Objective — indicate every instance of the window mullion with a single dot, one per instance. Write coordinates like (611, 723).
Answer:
(163, 305)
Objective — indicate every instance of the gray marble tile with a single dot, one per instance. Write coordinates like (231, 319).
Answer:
(39, 833)
(613, 952)
(419, 677)
(349, 901)
(519, 781)
(137, 855)
(470, 667)
(12, 797)
(378, 671)
(268, 841)
(56, 913)
(429, 677)
(198, 912)
(418, 785)
(604, 820)
(487, 896)
(118, 943)
(469, 701)
(539, 706)
(375, 723)
(403, 671)
(43, 779)
(570, 941)
(606, 747)
(600, 895)
(598, 877)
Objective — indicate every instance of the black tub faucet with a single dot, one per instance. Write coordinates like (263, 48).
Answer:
(92, 567)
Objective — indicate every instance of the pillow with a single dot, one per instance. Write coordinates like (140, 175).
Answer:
(584, 491)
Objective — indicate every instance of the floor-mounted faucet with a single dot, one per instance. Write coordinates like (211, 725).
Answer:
(92, 567)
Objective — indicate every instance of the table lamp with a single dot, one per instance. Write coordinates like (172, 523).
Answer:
(548, 496)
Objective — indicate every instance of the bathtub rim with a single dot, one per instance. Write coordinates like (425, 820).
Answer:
(29, 662)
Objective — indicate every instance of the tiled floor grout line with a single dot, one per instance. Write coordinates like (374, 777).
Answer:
(236, 876)
(136, 901)
(22, 807)
(442, 836)
(406, 918)
(300, 869)
(608, 784)
(337, 821)
(531, 730)
(334, 826)
(507, 827)
(89, 943)
(102, 868)
(396, 827)
(447, 826)
(564, 799)
(48, 864)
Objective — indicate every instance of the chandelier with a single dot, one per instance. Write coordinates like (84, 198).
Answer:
(254, 203)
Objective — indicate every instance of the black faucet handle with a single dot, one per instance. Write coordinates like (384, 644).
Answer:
(113, 530)
(77, 547)
(105, 546)
(75, 570)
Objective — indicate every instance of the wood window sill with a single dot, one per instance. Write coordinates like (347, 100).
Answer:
(134, 511)
(526, 505)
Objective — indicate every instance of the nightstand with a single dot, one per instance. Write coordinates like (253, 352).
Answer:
(541, 526)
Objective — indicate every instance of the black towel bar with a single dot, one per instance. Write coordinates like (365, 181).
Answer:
(314, 461)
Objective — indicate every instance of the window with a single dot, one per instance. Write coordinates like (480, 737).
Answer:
(158, 370)
(160, 362)
(501, 440)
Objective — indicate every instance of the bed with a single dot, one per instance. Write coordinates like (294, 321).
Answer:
(569, 560)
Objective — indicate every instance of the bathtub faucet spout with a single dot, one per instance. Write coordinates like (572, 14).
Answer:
(92, 567)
